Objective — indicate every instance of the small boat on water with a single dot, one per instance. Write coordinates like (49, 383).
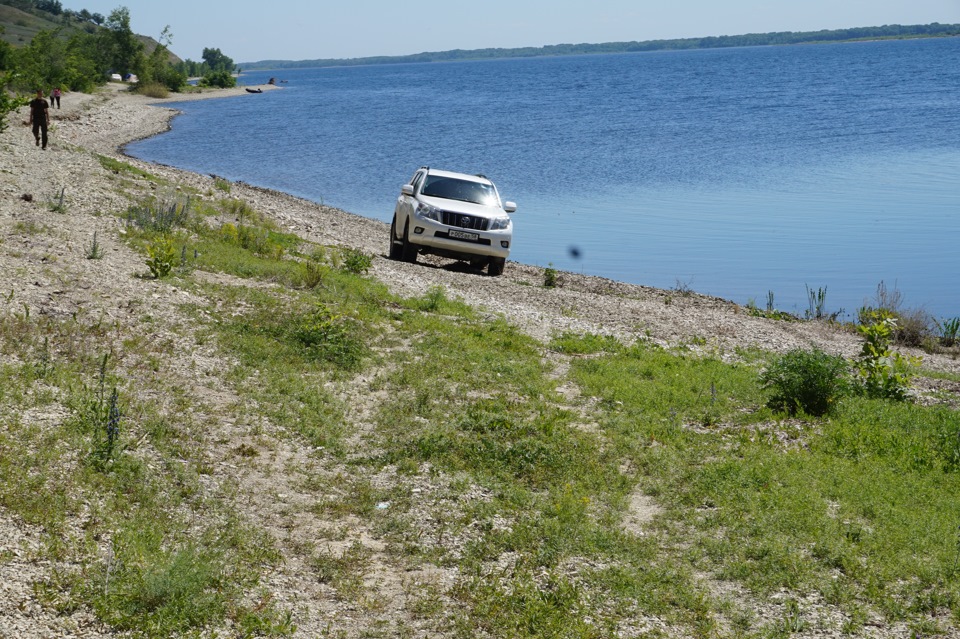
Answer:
(257, 90)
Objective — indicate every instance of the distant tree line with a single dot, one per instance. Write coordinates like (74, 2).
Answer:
(749, 40)
(886, 32)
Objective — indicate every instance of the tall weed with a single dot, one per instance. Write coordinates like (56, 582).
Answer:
(58, 202)
(95, 250)
(914, 327)
(158, 216)
(817, 305)
(98, 414)
(949, 330)
(882, 372)
(161, 257)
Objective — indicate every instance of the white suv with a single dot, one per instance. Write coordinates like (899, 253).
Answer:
(453, 215)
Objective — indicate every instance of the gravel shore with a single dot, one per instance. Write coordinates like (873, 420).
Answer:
(44, 271)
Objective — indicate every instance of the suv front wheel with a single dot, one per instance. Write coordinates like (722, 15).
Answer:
(408, 252)
(396, 246)
(496, 265)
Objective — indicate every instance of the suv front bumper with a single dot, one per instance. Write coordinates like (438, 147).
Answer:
(456, 242)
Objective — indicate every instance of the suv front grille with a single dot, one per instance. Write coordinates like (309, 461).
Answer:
(461, 221)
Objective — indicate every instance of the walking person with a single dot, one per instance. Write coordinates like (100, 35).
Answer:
(39, 118)
(55, 97)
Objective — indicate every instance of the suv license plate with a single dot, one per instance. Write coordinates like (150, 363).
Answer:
(463, 235)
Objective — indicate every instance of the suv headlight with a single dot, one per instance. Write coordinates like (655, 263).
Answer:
(499, 223)
(428, 212)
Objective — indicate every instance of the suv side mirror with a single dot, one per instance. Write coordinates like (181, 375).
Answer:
(509, 207)
(407, 189)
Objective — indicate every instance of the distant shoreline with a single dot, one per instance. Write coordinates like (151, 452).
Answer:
(779, 38)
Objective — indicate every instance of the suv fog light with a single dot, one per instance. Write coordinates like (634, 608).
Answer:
(504, 244)
(418, 230)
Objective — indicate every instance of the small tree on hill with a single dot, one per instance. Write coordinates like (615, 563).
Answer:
(6, 53)
(50, 6)
(158, 69)
(217, 61)
(119, 48)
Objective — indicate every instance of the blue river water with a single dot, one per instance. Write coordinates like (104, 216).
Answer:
(733, 172)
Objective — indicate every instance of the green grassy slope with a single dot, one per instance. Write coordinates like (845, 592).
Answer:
(19, 27)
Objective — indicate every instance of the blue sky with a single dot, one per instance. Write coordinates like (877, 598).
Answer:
(249, 31)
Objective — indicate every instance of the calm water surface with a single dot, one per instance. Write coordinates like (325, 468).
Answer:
(733, 172)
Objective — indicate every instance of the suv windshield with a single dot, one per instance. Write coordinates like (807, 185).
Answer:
(450, 188)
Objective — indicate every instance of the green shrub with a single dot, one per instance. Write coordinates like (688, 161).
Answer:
(805, 381)
(167, 591)
(585, 343)
(356, 261)
(118, 166)
(154, 90)
(219, 79)
(883, 373)
(434, 299)
(172, 79)
(254, 239)
(161, 257)
(8, 103)
(311, 274)
(329, 336)
(550, 278)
